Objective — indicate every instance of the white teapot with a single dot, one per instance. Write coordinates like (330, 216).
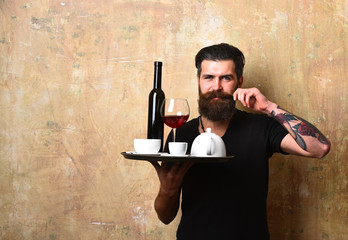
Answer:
(208, 144)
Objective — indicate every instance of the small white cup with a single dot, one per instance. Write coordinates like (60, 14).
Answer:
(177, 148)
(147, 146)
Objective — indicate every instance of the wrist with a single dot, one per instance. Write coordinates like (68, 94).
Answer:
(168, 193)
(271, 108)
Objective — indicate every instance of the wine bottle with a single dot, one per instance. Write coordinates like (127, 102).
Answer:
(155, 124)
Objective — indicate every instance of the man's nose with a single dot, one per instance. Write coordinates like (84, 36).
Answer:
(216, 85)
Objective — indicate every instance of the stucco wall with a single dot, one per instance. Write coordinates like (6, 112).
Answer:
(74, 83)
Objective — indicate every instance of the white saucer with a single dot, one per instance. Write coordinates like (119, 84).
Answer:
(133, 152)
(174, 155)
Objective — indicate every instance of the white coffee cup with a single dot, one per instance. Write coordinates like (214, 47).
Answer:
(147, 146)
(177, 148)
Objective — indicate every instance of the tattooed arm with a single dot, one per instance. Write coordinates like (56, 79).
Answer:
(311, 141)
(303, 139)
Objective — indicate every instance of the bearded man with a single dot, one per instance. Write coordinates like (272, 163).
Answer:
(228, 200)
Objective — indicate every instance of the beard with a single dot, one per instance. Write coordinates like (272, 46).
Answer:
(219, 109)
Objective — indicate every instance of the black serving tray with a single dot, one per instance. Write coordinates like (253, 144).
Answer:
(165, 157)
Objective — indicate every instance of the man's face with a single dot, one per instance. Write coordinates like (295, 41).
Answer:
(217, 83)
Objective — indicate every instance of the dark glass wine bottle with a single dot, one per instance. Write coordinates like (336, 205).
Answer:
(155, 125)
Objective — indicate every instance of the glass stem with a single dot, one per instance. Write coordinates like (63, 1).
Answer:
(174, 134)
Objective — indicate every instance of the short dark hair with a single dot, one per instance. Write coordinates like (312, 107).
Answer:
(219, 52)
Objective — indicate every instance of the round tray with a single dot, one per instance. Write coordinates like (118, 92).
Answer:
(165, 157)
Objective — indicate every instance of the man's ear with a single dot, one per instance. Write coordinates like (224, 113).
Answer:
(240, 81)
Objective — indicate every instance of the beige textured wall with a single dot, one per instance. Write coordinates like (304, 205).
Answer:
(74, 81)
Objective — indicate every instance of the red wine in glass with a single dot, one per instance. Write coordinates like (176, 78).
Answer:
(175, 121)
(175, 112)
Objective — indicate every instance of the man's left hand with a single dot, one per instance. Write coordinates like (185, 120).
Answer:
(252, 98)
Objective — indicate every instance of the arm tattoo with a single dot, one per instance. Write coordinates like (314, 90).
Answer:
(298, 128)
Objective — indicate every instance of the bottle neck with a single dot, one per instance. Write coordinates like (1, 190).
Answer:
(158, 75)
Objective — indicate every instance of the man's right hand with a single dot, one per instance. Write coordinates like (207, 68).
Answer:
(171, 178)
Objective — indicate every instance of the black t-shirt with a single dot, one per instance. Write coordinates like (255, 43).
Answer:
(228, 200)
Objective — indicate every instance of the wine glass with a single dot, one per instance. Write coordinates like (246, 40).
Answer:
(175, 112)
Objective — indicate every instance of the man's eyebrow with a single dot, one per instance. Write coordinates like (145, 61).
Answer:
(228, 75)
(207, 75)
(222, 76)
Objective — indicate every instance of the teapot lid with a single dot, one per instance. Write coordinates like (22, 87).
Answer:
(210, 133)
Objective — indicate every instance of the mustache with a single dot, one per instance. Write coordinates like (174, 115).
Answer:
(216, 109)
(216, 94)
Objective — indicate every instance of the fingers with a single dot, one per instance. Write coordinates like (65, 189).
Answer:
(171, 178)
(156, 166)
(175, 168)
(251, 98)
(242, 95)
(186, 166)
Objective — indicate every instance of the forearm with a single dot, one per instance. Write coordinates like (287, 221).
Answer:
(167, 205)
(307, 136)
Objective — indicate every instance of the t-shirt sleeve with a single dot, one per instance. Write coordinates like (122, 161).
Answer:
(277, 133)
